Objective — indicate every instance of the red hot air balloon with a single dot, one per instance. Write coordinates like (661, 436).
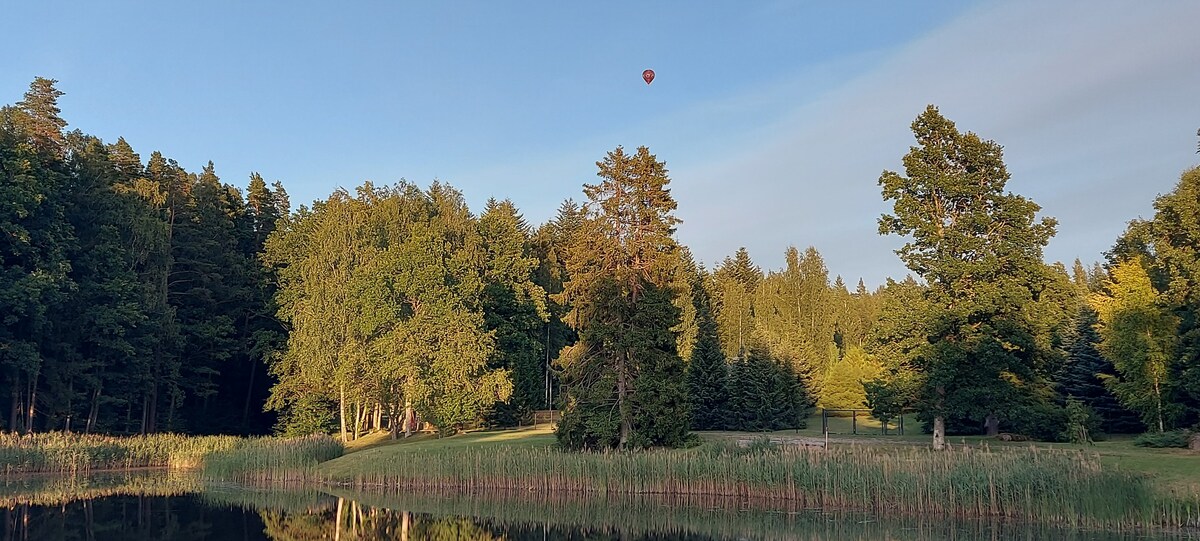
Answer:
(648, 76)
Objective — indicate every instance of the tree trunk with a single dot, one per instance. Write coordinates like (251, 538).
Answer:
(342, 412)
(358, 419)
(15, 412)
(939, 433)
(249, 395)
(623, 400)
(991, 425)
(93, 413)
(32, 401)
(409, 419)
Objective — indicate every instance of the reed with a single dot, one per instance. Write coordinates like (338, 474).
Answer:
(59, 490)
(1038, 485)
(575, 515)
(65, 453)
(280, 460)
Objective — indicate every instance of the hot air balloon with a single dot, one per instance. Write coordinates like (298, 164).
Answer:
(648, 76)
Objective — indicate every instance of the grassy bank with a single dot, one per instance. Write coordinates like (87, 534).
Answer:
(1036, 485)
(71, 454)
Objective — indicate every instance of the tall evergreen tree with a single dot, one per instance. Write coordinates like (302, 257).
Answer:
(707, 371)
(979, 249)
(624, 377)
(1085, 372)
(514, 309)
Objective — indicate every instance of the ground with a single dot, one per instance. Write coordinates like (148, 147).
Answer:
(1175, 470)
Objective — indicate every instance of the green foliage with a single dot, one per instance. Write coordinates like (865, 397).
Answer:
(1084, 374)
(707, 371)
(514, 310)
(1169, 247)
(765, 394)
(309, 414)
(844, 380)
(131, 292)
(979, 250)
(1079, 422)
(383, 293)
(890, 395)
(622, 262)
(1138, 336)
(1172, 438)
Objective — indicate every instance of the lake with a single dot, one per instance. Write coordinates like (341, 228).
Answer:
(174, 506)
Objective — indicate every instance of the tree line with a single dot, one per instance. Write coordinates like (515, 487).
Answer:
(131, 297)
(139, 297)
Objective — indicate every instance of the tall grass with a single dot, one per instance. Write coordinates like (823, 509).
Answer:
(575, 515)
(63, 453)
(59, 490)
(261, 460)
(1056, 486)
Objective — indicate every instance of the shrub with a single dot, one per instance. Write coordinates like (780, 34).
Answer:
(1175, 438)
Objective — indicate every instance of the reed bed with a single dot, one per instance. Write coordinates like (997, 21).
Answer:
(64, 453)
(58, 490)
(576, 515)
(1037, 485)
(277, 460)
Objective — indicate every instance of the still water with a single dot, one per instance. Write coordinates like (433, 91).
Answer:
(158, 506)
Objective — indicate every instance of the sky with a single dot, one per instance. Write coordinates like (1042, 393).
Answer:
(774, 118)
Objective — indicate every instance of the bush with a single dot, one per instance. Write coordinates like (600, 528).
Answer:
(1175, 438)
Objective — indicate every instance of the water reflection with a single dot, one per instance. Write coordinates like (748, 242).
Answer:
(161, 507)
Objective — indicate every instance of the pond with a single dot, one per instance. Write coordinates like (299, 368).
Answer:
(161, 506)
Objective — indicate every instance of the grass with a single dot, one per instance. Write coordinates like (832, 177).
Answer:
(58, 490)
(227, 456)
(258, 460)
(569, 516)
(1028, 483)
(63, 453)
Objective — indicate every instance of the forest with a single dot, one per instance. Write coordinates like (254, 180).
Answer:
(137, 297)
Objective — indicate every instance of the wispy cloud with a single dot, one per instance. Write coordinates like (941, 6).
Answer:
(1095, 103)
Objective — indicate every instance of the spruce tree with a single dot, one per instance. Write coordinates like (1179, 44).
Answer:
(624, 377)
(707, 371)
(1084, 374)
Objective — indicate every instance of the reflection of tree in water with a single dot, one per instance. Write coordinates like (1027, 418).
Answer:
(136, 518)
(350, 521)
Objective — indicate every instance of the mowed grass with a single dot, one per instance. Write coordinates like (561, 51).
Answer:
(358, 458)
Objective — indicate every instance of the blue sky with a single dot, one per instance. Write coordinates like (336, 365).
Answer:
(775, 118)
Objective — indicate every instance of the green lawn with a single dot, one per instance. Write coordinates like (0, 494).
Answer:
(382, 447)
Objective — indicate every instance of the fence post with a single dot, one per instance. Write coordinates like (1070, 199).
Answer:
(824, 421)
(854, 422)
